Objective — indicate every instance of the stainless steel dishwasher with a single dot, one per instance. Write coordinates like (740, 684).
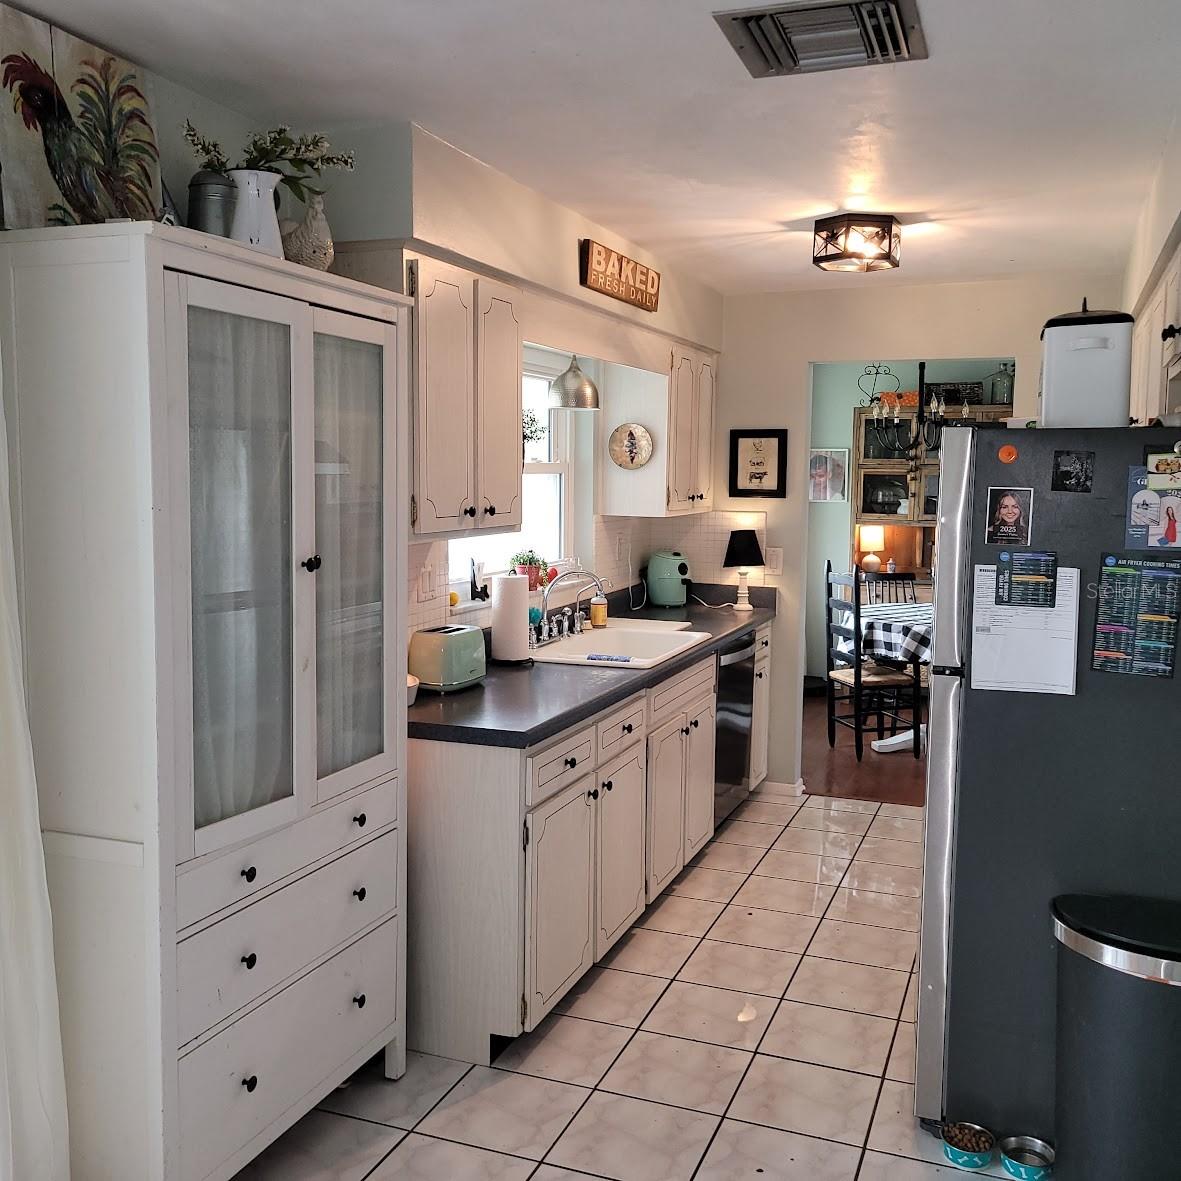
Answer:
(736, 692)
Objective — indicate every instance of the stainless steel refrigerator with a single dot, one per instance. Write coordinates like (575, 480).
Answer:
(1031, 795)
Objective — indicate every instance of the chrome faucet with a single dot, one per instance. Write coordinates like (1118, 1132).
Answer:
(565, 625)
(549, 586)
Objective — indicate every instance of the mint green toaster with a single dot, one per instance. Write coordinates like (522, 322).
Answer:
(447, 658)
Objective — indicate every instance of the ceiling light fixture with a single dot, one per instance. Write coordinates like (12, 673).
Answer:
(857, 242)
(573, 390)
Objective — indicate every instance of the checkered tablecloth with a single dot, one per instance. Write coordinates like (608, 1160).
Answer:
(898, 631)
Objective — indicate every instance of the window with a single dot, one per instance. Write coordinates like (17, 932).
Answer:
(545, 488)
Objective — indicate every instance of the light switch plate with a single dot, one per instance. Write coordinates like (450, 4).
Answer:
(426, 583)
(774, 560)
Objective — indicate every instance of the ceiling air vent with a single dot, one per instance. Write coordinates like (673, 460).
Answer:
(807, 38)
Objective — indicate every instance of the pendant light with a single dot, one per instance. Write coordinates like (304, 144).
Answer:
(573, 390)
(857, 242)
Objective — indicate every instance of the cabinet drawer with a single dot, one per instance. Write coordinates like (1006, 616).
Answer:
(286, 1047)
(214, 885)
(666, 699)
(553, 768)
(763, 642)
(620, 728)
(228, 965)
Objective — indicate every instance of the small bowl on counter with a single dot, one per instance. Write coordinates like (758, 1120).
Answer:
(411, 689)
(968, 1146)
(1026, 1157)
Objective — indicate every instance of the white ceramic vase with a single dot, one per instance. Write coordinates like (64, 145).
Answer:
(255, 222)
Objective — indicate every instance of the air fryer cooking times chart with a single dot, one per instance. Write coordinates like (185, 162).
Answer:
(1137, 615)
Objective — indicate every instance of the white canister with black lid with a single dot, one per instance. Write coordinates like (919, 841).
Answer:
(1086, 369)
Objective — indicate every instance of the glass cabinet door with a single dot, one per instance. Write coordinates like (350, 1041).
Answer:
(241, 353)
(883, 495)
(355, 665)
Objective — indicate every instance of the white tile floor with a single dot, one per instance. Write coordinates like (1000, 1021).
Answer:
(756, 1022)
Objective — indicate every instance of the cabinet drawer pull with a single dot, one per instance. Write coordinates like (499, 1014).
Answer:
(250, 960)
(608, 784)
(764, 643)
(470, 511)
(359, 1000)
(359, 895)
(312, 564)
(571, 761)
(250, 1083)
(759, 675)
(360, 819)
(250, 873)
(627, 727)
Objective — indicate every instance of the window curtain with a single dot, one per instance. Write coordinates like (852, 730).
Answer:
(34, 1137)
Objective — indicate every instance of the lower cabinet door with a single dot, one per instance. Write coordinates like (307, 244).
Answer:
(559, 895)
(666, 803)
(619, 848)
(760, 723)
(699, 775)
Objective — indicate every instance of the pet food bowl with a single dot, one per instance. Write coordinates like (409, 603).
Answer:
(1026, 1158)
(964, 1158)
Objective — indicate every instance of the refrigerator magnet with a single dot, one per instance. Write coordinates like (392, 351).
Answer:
(1074, 471)
(1010, 516)
(1026, 578)
(1164, 471)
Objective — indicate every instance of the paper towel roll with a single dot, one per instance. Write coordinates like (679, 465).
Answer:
(510, 617)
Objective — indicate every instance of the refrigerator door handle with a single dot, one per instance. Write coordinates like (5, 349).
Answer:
(953, 547)
(946, 701)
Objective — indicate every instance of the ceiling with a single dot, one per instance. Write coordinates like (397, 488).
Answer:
(1026, 143)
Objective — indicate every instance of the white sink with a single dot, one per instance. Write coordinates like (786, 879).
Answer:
(632, 623)
(621, 647)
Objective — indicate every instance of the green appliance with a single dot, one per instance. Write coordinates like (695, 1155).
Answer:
(447, 658)
(668, 578)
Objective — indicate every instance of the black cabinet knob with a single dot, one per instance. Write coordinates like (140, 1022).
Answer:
(470, 511)
(250, 873)
(491, 510)
(250, 960)
(695, 723)
(359, 895)
(360, 820)
(571, 762)
(250, 1083)
(312, 564)
(1171, 331)
(759, 675)
(593, 794)
(685, 730)
(764, 643)
(608, 784)
(628, 727)
(359, 1000)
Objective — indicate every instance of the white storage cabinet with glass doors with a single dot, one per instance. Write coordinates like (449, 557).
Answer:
(208, 452)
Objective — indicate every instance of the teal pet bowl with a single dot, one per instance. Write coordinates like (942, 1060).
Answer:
(1026, 1158)
(967, 1158)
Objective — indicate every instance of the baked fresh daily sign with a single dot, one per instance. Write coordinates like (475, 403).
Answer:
(611, 273)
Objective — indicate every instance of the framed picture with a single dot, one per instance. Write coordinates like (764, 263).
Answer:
(828, 474)
(758, 463)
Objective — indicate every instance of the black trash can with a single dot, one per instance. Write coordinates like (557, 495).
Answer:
(1118, 1103)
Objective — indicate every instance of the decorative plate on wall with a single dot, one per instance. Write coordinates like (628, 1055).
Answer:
(630, 445)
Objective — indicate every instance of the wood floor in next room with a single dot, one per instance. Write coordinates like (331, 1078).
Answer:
(756, 1022)
(895, 778)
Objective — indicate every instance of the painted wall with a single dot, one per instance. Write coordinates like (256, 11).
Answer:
(467, 210)
(770, 343)
(834, 395)
(1158, 228)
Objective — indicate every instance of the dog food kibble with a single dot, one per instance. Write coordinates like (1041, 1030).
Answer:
(967, 1138)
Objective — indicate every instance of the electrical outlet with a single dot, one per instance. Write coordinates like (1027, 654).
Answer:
(426, 583)
(774, 560)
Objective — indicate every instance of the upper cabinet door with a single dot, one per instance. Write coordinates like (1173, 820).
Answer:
(357, 654)
(498, 406)
(240, 424)
(706, 394)
(445, 421)
(682, 442)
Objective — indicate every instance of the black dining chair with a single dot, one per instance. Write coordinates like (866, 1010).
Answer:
(889, 588)
(874, 690)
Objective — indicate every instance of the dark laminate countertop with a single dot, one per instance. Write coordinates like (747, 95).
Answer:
(521, 707)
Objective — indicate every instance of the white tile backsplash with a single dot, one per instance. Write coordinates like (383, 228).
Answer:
(703, 537)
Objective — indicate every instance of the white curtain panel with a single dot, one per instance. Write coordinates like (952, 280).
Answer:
(34, 1137)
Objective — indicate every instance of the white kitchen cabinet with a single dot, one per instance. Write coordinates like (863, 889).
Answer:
(619, 848)
(678, 410)
(760, 722)
(218, 706)
(666, 803)
(699, 775)
(1171, 348)
(559, 895)
(498, 406)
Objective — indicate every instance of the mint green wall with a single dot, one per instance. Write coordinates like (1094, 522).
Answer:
(834, 396)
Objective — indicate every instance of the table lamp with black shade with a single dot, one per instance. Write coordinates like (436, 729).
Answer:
(743, 551)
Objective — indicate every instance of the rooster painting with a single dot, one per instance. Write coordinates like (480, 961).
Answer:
(104, 161)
